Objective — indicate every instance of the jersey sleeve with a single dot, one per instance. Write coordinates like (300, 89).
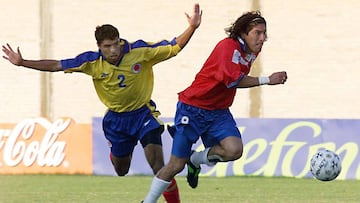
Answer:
(159, 51)
(81, 63)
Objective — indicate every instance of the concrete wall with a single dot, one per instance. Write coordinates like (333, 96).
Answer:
(316, 42)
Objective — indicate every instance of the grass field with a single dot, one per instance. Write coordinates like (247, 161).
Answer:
(108, 189)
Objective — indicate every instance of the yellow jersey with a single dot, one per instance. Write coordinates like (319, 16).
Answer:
(128, 85)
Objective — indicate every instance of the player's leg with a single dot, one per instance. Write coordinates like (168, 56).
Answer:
(190, 123)
(181, 148)
(229, 149)
(222, 143)
(163, 179)
(193, 171)
(153, 152)
(152, 144)
(120, 141)
(121, 153)
(121, 164)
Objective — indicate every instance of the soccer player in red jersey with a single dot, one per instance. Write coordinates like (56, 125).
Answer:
(122, 74)
(203, 107)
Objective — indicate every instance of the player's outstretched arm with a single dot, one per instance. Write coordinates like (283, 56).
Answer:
(274, 79)
(194, 23)
(17, 59)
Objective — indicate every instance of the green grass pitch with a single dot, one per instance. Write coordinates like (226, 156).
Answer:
(129, 189)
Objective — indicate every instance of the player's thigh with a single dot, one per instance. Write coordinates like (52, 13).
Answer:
(152, 144)
(185, 136)
(122, 147)
(121, 138)
(189, 124)
(223, 127)
(152, 136)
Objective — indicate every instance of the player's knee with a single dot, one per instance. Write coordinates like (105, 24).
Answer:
(121, 171)
(238, 154)
(234, 153)
(233, 148)
(121, 165)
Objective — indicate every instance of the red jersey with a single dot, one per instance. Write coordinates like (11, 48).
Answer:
(215, 85)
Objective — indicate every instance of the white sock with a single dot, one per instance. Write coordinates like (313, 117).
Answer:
(198, 158)
(157, 187)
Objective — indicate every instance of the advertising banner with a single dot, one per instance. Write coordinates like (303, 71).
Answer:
(272, 147)
(37, 145)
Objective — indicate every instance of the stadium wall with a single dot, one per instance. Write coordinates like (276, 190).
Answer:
(314, 41)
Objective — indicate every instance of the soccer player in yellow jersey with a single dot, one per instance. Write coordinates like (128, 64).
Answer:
(123, 78)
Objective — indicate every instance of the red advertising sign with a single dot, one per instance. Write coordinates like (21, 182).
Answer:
(37, 145)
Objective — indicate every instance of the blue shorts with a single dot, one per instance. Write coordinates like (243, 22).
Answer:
(123, 130)
(192, 122)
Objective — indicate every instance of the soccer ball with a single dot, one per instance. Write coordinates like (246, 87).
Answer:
(325, 165)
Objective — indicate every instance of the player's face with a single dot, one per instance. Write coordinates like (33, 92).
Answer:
(111, 49)
(255, 38)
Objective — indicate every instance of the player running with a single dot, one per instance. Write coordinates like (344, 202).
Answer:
(123, 79)
(203, 107)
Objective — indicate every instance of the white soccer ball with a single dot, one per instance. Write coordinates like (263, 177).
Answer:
(325, 165)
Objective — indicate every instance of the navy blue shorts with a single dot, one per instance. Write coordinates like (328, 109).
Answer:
(123, 130)
(192, 122)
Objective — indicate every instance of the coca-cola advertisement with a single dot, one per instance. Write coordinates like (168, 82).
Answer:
(37, 145)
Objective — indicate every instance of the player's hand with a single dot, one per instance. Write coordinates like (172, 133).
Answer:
(14, 57)
(195, 19)
(278, 78)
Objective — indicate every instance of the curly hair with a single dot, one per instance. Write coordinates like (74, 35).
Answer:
(106, 31)
(244, 24)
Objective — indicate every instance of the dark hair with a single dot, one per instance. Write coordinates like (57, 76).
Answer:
(244, 24)
(106, 31)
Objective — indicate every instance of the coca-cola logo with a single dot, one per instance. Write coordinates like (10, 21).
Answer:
(18, 147)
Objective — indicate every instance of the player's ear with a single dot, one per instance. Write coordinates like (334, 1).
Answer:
(242, 35)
